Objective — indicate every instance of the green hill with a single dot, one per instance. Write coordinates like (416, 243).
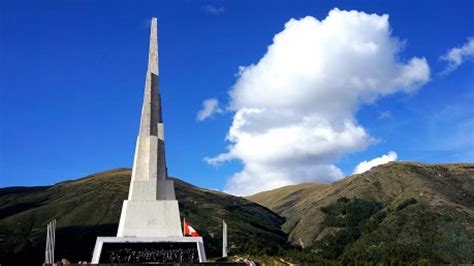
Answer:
(395, 212)
(398, 212)
(90, 207)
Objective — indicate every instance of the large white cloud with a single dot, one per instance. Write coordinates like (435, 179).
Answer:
(365, 166)
(295, 109)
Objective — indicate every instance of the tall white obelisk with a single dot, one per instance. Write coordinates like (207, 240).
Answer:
(150, 215)
(151, 209)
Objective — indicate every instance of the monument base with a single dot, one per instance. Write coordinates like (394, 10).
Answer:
(154, 218)
(148, 250)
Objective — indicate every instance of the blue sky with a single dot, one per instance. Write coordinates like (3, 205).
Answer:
(72, 76)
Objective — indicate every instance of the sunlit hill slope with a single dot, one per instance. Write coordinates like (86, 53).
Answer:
(402, 211)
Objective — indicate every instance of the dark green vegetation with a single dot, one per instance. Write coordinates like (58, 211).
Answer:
(398, 212)
(350, 218)
(90, 207)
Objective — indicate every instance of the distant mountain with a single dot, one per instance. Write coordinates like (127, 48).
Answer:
(90, 207)
(406, 212)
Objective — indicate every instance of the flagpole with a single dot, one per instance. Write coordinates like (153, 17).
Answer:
(184, 226)
(53, 241)
(224, 239)
(46, 252)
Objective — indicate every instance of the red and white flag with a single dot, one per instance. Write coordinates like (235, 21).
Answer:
(189, 230)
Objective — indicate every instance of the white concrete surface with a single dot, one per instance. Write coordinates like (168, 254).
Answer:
(159, 218)
(151, 209)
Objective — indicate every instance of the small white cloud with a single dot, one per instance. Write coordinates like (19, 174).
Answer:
(209, 108)
(219, 159)
(456, 56)
(385, 115)
(212, 9)
(367, 165)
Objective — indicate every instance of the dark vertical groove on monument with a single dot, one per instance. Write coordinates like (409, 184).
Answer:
(154, 106)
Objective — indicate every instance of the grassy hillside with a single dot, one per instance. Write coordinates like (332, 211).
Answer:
(399, 211)
(90, 207)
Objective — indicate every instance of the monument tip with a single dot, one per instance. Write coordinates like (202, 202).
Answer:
(153, 52)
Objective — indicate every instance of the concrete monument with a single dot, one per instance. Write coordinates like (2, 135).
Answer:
(150, 226)
(50, 243)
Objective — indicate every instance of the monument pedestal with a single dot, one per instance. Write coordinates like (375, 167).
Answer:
(150, 218)
(148, 250)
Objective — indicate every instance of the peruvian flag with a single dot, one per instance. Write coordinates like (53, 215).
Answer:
(189, 230)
